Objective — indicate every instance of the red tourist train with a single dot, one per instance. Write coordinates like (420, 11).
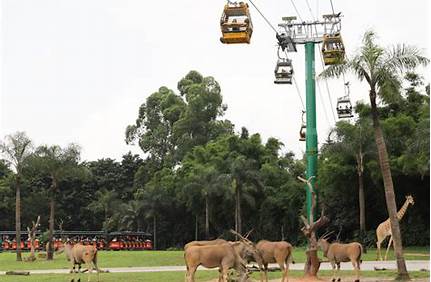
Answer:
(115, 241)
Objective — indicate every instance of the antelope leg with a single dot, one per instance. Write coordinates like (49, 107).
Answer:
(333, 271)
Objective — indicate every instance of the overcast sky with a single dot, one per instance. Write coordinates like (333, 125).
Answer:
(77, 71)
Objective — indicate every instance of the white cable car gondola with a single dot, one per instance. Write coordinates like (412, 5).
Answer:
(283, 71)
(344, 106)
(302, 131)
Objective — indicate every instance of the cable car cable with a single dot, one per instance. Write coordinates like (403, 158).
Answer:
(327, 87)
(332, 7)
(298, 92)
(263, 17)
(309, 9)
(318, 83)
(299, 16)
(319, 90)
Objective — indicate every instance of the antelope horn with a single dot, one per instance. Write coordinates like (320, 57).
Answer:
(326, 235)
(239, 235)
(248, 233)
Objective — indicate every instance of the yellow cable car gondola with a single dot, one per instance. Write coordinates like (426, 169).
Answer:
(235, 23)
(333, 49)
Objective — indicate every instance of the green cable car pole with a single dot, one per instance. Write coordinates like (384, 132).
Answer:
(309, 34)
(311, 133)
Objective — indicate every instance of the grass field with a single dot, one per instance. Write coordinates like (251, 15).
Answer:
(109, 259)
(200, 276)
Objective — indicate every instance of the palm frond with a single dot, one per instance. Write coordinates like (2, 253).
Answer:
(360, 68)
(334, 71)
(404, 57)
(389, 84)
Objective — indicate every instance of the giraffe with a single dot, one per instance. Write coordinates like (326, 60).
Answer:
(384, 229)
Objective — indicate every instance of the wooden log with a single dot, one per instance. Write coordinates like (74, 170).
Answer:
(26, 273)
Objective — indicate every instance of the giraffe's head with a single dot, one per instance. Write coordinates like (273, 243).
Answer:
(410, 199)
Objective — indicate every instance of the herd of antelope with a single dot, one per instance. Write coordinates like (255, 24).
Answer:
(235, 255)
(227, 255)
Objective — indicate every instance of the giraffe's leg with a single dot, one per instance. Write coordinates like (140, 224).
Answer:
(379, 253)
(389, 246)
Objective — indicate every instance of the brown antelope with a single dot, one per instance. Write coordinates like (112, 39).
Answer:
(205, 243)
(79, 254)
(337, 253)
(275, 252)
(224, 256)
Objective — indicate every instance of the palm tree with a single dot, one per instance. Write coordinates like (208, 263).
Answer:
(17, 149)
(381, 69)
(58, 163)
(244, 176)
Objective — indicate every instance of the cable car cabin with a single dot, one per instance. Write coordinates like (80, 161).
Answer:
(235, 23)
(344, 108)
(302, 133)
(333, 49)
(283, 72)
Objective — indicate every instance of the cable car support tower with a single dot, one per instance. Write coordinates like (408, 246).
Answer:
(309, 34)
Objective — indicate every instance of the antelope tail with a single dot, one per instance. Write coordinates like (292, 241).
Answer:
(361, 251)
(289, 258)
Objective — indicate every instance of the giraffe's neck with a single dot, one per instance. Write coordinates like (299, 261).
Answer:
(403, 210)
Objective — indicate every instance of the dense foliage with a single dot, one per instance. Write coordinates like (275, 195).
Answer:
(198, 178)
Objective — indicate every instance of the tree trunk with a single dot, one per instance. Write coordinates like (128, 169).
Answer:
(154, 232)
(238, 208)
(207, 221)
(32, 237)
(18, 218)
(50, 251)
(389, 189)
(360, 170)
(196, 228)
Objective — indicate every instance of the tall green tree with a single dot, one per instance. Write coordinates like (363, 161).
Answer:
(198, 123)
(353, 139)
(381, 69)
(153, 129)
(58, 163)
(16, 149)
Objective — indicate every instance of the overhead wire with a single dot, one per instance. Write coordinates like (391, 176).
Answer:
(332, 7)
(297, 12)
(298, 92)
(309, 9)
(319, 90)
(267, 21)
(327, 89)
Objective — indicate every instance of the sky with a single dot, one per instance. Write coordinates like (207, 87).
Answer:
(77, 71)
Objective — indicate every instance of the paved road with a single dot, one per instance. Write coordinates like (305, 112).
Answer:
(366, 265)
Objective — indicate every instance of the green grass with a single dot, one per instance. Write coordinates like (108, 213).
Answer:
(109, 259)
(179, 276)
